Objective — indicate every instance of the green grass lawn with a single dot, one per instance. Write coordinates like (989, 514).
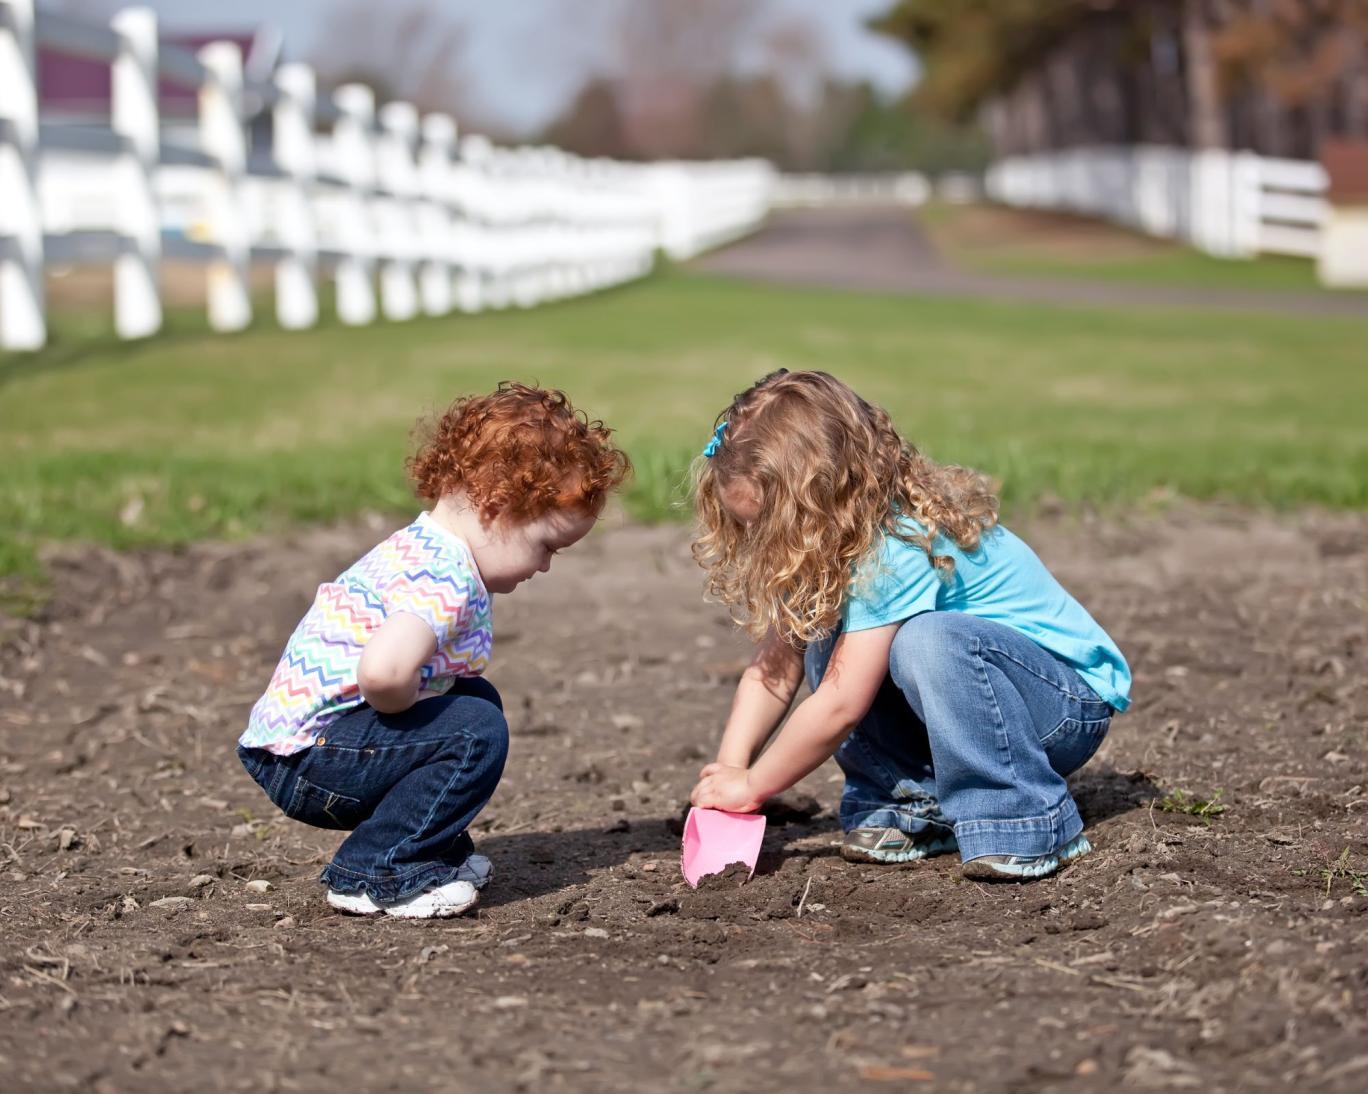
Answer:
(191, 435)
(1180, 266)
(1022, 243)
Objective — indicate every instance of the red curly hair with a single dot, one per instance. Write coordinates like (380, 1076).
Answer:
(518, 454)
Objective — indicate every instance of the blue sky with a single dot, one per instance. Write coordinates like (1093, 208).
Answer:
(520, 72)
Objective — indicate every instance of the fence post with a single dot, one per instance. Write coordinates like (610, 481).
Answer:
(473, 187)
(356, 162)
(1246, 204)
(222, 136)
(394, 161)
(23, 323)
(133, 115)
(292, 123)
(1211, 196)
(435, 176)
(678, 232)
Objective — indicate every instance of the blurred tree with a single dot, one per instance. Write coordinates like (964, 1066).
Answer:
(401, 51)
(972, 49)
(670, 54)
(891, 137)
(1303, 63)
(720, 79)
(746, 117)
(592, 126)
(1277, 76)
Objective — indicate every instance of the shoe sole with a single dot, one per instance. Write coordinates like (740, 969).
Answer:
(898, 858)
(976, 870)
(449, 911)
(348, 909)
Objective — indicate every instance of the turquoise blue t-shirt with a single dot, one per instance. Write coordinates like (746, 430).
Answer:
(1003, 581)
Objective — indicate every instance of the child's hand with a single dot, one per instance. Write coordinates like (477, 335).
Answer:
(723, 787)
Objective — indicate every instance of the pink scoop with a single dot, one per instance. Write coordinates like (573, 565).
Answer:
(714, 839)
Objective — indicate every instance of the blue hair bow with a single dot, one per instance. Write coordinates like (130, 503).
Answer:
(710, 449)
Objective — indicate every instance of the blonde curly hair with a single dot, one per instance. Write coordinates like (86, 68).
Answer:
(831, 475)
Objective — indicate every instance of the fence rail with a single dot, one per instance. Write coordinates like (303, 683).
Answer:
(807, 191)
(344, 188)
(1233, 204)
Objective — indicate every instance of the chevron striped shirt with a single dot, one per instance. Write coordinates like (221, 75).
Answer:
(422, 569)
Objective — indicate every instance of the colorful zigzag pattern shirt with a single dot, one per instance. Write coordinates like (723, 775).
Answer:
(422, 569)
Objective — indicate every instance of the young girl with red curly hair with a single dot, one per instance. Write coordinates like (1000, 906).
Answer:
(953, 678)
(377, 719)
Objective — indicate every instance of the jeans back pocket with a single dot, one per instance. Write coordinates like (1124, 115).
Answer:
(1073, 743)
(322, 808)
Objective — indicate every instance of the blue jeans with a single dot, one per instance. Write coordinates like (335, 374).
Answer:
(974, 729)
(406, 785)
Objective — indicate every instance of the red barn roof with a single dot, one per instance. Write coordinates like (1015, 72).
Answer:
(77, 85)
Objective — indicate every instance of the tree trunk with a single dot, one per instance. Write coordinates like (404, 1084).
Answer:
(1206, 115)
(1356, 93)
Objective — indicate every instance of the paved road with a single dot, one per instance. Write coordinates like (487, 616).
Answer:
(885, 250)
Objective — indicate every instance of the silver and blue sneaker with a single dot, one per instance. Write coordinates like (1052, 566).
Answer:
(476, 869)
(1025, 868)
(890, 845)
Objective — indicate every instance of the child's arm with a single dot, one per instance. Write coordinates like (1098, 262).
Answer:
(388, 671)
(820, 723)
(762, 699)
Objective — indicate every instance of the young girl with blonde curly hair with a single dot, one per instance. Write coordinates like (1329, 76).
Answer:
(378, 719)
(953, 678)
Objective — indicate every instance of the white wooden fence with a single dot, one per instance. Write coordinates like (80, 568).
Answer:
(365, 195)
(1233, 204)
(890, 188)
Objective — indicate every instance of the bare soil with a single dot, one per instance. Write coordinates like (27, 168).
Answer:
(90, 288)
(163, 928)
(995, 229)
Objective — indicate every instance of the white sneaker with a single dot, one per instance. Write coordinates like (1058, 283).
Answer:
(474, 874)
(450, 899)
(353, 903)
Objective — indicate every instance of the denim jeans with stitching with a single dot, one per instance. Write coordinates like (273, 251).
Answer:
(405, 785)
(974, 729)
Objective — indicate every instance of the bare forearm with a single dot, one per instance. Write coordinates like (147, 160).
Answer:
(812, 735)
(856, 670)
(756, 710)
(763, 697)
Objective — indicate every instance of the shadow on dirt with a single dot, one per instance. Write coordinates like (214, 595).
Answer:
(1104, 792)
(536, 863)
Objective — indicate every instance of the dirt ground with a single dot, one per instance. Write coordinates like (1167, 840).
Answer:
(163, 928)
(86, 288)
(993, 229)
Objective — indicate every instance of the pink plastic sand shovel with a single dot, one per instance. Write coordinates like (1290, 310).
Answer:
(714, 839)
